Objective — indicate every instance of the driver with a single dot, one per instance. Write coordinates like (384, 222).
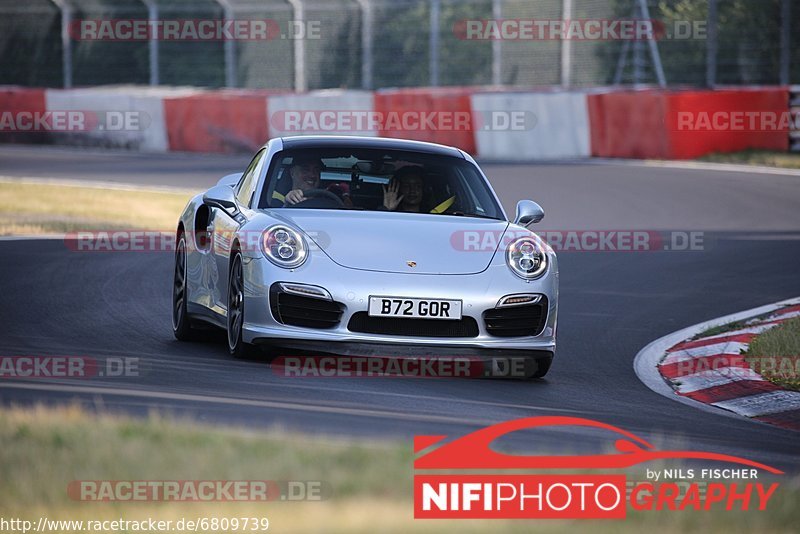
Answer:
(305, 172)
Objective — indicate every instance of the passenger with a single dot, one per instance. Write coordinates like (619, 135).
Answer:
(404, 192)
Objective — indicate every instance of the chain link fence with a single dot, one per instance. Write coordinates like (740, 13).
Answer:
(372, 44)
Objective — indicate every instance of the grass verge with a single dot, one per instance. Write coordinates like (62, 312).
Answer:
(42, 450)
(775, 354)
(720, 329)
(784, 160)
(33, 208)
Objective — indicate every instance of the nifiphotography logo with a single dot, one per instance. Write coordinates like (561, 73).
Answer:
(506, 494)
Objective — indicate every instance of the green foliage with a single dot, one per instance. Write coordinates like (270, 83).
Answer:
(402, 50)
(749, 49)
(748, 42)
(775, 354)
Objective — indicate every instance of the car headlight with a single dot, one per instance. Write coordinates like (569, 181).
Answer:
(284, 246)
(527, 258)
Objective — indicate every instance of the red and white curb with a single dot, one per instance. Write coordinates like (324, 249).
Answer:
(711, 373)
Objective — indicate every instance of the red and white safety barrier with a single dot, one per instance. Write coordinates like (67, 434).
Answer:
(116, 117)
(492, 125)
(329, 112)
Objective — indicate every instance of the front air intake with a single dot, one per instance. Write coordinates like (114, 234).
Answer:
(516, 321)
(307, 312)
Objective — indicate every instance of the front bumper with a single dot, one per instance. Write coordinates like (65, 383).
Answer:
(352, 288)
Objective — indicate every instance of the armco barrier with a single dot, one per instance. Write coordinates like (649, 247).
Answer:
(556, 126)
(141, 110)
(686, 124)
(319, 113)
(20, 100)
(217, 121)
(448, 105)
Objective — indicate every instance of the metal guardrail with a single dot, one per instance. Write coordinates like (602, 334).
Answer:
(374, 44)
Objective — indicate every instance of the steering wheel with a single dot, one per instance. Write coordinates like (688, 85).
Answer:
(318, 198)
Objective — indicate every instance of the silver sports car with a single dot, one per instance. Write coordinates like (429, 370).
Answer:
(365, 246)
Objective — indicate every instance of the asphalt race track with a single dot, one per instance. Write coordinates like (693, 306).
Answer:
(54, 301)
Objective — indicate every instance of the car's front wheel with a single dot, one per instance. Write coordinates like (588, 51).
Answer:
(236, 346)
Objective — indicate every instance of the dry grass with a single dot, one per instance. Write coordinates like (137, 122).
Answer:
(44, 449)
(32, 208)
(784, 160)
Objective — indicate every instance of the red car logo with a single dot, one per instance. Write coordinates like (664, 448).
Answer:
(473, 451)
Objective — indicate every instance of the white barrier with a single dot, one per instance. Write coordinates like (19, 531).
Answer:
(320, 113)
(556, 126)
(117, 117)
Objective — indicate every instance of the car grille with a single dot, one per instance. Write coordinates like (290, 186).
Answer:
(308, 312)
(516, 321)
(363, 323)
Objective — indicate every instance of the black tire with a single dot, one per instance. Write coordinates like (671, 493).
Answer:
(235, 320)
(181, 324)
(542, 366)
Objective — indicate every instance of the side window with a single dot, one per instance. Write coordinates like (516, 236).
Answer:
(249, 180)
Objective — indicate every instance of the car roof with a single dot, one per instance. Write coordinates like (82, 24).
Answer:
(342, 141)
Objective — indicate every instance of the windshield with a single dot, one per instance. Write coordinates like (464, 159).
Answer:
(377, 180)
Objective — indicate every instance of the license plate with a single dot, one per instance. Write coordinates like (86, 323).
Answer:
(409, 308)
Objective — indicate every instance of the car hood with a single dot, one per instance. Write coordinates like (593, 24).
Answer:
(387, 241)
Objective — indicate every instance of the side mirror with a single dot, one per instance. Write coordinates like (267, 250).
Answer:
(220, 196)
(528, 212)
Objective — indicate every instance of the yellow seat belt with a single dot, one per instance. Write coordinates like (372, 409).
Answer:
(441, 208)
